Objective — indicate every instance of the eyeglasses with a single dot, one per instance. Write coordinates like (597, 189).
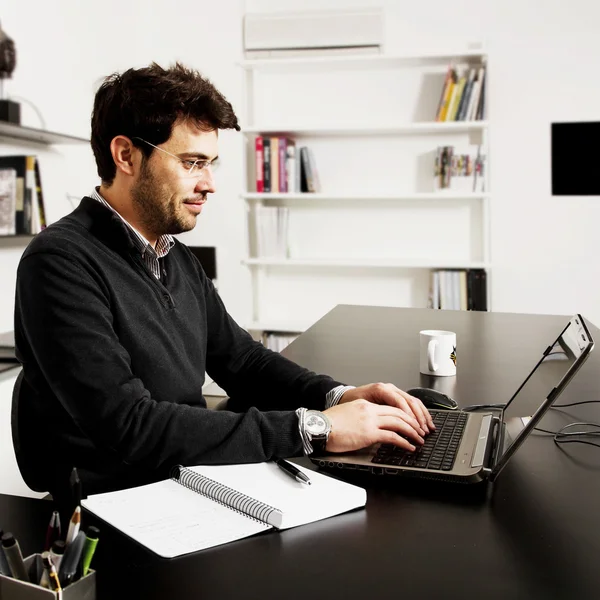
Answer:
(193, 168)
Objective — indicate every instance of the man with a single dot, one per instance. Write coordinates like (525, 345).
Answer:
(117, 324)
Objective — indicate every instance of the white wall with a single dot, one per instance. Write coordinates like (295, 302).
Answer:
(62, 56)
(542, 66)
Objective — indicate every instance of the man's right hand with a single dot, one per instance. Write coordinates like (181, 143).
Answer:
(360, 423)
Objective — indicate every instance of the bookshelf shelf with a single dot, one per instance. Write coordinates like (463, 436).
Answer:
(10, 131)
(308, 197)
(385, 263)
(365, 61)
(424, 128)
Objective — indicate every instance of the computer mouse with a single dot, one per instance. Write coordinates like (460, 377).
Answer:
(433, 399)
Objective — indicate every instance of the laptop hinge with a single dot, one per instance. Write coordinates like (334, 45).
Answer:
(498, 435)
(485, 433)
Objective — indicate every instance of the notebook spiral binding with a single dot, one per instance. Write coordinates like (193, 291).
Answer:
(222, 494)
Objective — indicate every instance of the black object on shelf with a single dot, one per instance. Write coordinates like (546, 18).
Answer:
(207, 255)
(10, 112)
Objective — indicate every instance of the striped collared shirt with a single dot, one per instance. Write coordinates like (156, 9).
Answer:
(149, 254)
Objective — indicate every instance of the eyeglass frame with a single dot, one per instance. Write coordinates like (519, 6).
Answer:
(213, 164)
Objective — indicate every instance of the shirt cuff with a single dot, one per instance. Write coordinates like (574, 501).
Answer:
(306, 445)
(334, 396)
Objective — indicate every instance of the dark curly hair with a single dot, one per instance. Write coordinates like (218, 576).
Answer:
(146, 103)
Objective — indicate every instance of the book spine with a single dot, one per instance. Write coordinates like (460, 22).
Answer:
(443, 94)
(283, 183)
(267, 164)
(259, 164)
(226, 496)
(446, 94)
(304, 174)
(290, 167)
(8, 201)
(275, 165)
(30, 193)
(40, 195)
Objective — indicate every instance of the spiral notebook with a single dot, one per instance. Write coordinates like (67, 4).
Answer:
(205, 506)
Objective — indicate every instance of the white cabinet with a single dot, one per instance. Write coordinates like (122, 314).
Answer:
(378, 226)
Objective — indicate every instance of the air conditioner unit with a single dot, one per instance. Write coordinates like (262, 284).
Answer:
(322, 32)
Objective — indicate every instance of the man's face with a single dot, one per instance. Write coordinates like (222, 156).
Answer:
(166, 198)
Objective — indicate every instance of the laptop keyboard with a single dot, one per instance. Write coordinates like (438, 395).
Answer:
(440, 447)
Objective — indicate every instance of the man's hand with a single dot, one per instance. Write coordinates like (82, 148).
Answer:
(358, 424)
(387, 393)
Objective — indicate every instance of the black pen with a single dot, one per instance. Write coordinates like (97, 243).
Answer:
(292, 471)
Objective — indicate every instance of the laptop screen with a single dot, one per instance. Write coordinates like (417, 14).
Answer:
(557, 365)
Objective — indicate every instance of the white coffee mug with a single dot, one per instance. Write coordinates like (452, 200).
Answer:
(438, 352)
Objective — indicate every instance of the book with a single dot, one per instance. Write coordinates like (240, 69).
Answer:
(290, 167)
(205, 506)
(8, 201)
(283, 184)
(266, 164)
(22, 196)
(275, 164)
(40, 197)
(259, 164)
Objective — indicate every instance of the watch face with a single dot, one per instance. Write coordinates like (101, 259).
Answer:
(316, 424)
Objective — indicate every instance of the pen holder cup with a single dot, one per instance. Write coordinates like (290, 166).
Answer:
(14, 589)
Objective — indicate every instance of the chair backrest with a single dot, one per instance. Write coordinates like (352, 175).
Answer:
(24, 462)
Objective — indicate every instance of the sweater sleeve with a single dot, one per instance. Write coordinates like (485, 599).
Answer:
(253, 375)
(66, 330)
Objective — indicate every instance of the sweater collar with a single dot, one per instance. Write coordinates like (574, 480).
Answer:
(105, 224)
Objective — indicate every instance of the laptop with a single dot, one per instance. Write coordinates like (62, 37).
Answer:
(469, 447)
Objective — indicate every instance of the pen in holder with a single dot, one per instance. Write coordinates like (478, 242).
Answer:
(15, 589)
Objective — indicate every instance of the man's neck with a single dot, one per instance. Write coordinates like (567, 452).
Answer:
(111, 195)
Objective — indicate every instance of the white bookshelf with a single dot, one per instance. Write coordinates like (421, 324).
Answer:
(332, 133)
(382, 263)
(368, 61)
(307, 197)
(299, 130)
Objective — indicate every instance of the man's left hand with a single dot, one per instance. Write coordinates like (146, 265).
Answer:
(387, 393)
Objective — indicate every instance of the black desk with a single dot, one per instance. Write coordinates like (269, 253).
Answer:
(534, 534)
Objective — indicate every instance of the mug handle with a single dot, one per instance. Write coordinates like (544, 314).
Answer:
(431, 346)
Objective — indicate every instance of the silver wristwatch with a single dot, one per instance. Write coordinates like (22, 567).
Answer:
(317, 427)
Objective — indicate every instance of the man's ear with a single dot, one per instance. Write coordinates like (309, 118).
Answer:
(125, 155)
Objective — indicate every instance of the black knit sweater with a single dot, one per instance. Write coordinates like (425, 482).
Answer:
(114, 362)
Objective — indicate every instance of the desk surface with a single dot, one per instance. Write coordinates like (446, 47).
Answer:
(533, 534)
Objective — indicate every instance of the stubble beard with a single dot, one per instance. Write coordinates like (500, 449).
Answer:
(157, 210)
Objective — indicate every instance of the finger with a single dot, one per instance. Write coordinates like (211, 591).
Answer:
(402, 427)
(389, 437)
(385, 410)
(411, 410)
(413, 407)
(417, 405)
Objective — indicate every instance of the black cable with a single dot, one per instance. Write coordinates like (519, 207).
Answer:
(500, 406)
(575, 403)
(560, 435)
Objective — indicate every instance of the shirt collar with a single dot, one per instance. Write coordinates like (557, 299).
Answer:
(163, 244)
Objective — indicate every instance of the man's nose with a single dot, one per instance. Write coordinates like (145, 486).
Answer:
(206, 183)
